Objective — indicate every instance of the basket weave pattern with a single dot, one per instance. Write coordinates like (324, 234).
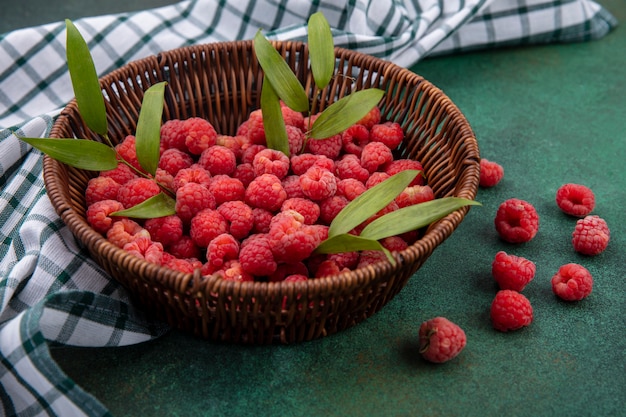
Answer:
(221, 82)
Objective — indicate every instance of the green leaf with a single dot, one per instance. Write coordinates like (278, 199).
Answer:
(89, 98)
(273, 122)
(284, 81)
(148, 135)
(79, 153)
(345, 112)
(350, 243)
(321, 50)
(160, 205)
(414, 217)
(370, 202)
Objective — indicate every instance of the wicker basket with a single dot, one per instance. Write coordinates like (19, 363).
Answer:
(220, 82)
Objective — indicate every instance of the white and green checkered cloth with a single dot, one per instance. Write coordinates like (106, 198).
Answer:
(50, 291)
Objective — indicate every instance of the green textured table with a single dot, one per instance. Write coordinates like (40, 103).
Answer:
(550, 115)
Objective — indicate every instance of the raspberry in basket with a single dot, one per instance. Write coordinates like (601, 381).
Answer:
(101, 188)
(302, 162)
(388, 133)
(516, 221)
(375, 155)
(256, 256)
(349, 166)
(191, 198)
(166, 230)
(291, 184)
(310, 210)
(329, 147)
(194, 173)
(572, 282)
(371, 118)
(127, 150)
(318, 183)
(512, 272)
(125, 231)
(185, 248)
(222, 248)
(254, 129)
(575, 199)
(441, 340)
(491, 173)
(173, 135)
(239, 216)
(225, 188)
(290, 238)
(350, 188)
(267, 192)
(122, 174)
(201, 135)
(270, 161)
(218, 160)
(354, 138)
(98, 214)
(414, 195)
(330, 207)
(143, 247)
(244, 173)
(295, 138)
(173, 160)
(206, 225)
(510, 310)
(400, 165)
(591, 235)
(137, 191)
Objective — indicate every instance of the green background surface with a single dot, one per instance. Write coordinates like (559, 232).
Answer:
(550, 115)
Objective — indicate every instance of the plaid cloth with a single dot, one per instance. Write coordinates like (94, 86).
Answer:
(51, 292)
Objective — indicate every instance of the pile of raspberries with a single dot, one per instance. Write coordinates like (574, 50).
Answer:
(247, 212)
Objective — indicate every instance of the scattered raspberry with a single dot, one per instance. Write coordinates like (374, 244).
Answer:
(375, 179)
(256, 256)
(572, 282)
(388, 133)
(101, 188)
(173, 160)
(510, 310)
(98, 214)
(516, 221)
(267, 192)
(240, 218)
(441, 340)
(400, 165)
(349, 166)
(330, 207)
(329, 147)
(144, 248)
(575, 199)
(222, 248)
(218, 160)
(512, 272)
(166, 230)
(200, 135)
(301, 163)
(374, 155)
(244, 173)
(371, 118)
(225, 188)
(191, 198)
(490, 173)
(125, 231)
(128, 152)
(185, 248)
(591, 235)
(270, 161)
(173, 134)
(414, 195)
(137, 191)
(354, 139)
(206, 225)
(194, 173)
(262, 219)
(122, 174)
(291, 184)
(307, 208)
(318, 183)
(295, 138)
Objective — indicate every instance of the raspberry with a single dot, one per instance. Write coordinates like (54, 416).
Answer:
(572, 282)
(388, 133)
(289, 240)
(225, 188)
(510, 310)
(255, 129)
(233, 271)
(591, 235)
(307, 208)
(173, 134)
(490, 173)
(98, 214)
(441, 340)
(295, 138)
(370, 257)
(244, 173)
(375, 179)
(415, 195)
(185, 248)
(399, 165)
(575, 199)
(270, 161)
(261, 220)
(222, 248)
(122, 174)
(266, 191)
(374, 155)
(347, 260)
(206, 225)
(242, 129)
(137, 191)
(143, 247)
(516, 221)
(350, 188)
(195, 174)
(234, 143)
(247, 157)
(191, 198)
(330, 207)
(240, 218)
(182, 265)
(512, 272)
(256, 256)
(349, 166)
(371, 118)
(329, 147)
(354, 139)
(291, 184)
(125, 231)
(201, 135)
(164, 179)
(173, 160)
(166, 230)
(128, 152)
(318, 183)
(394, 243)
(218, 160)
(292, 117)
(301, 163)
(285, 270)
(101, 188)
(328, 268)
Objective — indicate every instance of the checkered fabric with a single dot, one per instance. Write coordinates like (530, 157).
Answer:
(51, 292)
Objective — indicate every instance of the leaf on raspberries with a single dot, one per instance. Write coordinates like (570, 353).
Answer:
(321, 49)
(345, 112)
(285, 83)
(79, 153)
(85, 83)
(148, 135)
(350, 243)
(273, 122)
(160, 205)
(413, 217)
(370, 202)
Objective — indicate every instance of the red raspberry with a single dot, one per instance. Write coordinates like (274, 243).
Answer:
(222, 248)
(173, 160)
(98, 214)
(349, 166)
(101, 188)
(510, 310)
(301, 163)
(144, 248)
(239, 216)
(575, 199)
(399, 165)
(318, 183)
(242, 129)
(347, 260)
(512, 272)
(164, 179)
(591, 235)
(285, 270)
(137, 191)
(329, 147)
(328, 268)
(292, 117)
(185, 248)
(256, 256)
(441, 340)
(375, 179)
(266, 191)
(295, 138)
(350, 188)
(244, 173)
(290, 241)
(370, 257)
(192, 198)
(122, 174)
(195, 174)
(414, 195)
(206, 225)
(490, 173)
(166, 230)
(394, 243)
(233, 271)
(225, 188)
(516, 221)
(177, 264)
(354, 139)
(572, 282)
(254, 128)
(307, 208)
(291, 184)
(319, 232)
(218, 160)
(247, 157)
(234, 143)
(330, 207)
(270, 161)
(201, 135)
(375, 155)
(173, 134)
(262, 219)
(371, 118)
(127, 150)
(125, 231)
(388, 133)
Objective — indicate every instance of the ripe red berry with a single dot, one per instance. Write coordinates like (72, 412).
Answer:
(510, 310)
(167, 230)
(200, 135)
(173, 160)
(491, 173)
(516, 221)
(389, 133)
(206, 225)
(374, 155)
(591, 235)
(512, 272)
(98, 214)
(137, 191)
(173, 134)
(318, 183)
(267, 192)
(399, 165)
(441, 340)
(191, 198)
(572, 282)
(575, 199)
(256, 256)
(101, 188)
